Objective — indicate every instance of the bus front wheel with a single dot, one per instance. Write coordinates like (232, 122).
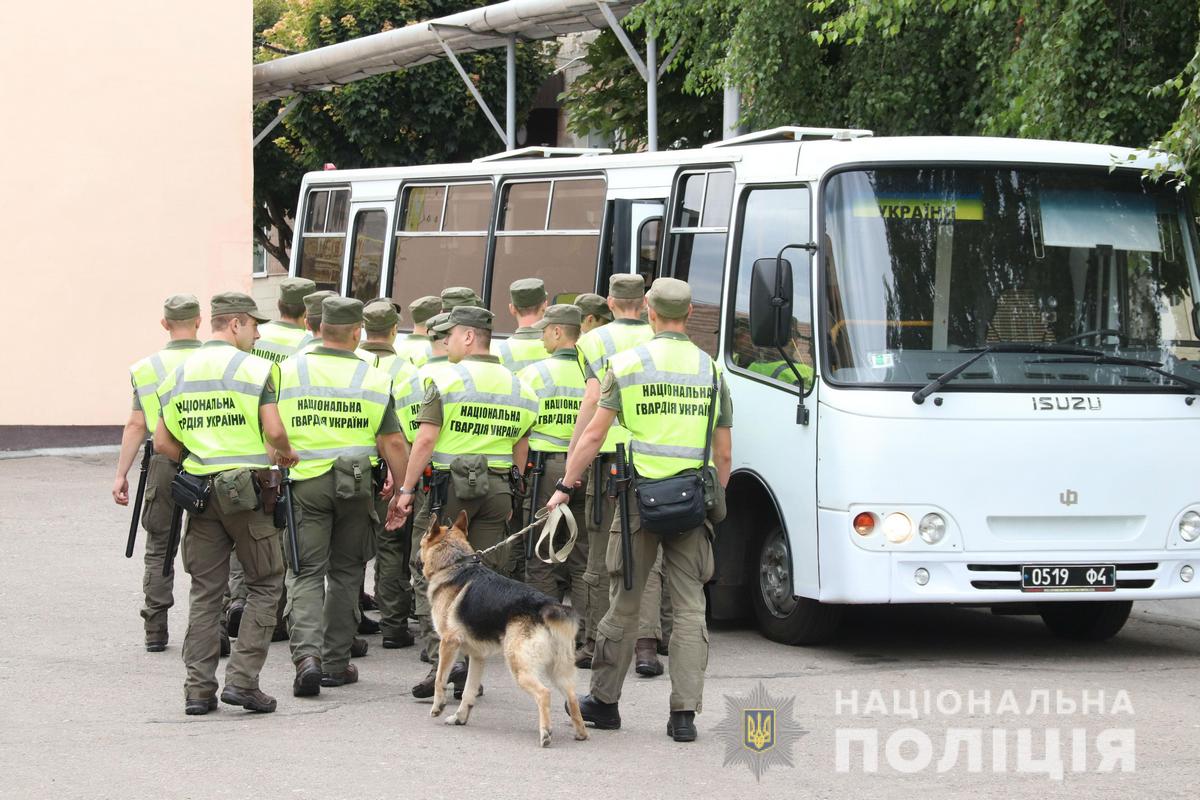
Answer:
(783, 617)
(1086, 622)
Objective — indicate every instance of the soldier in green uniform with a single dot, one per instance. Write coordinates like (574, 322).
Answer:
(181, 321)
(416, 346)
(218, 407)
(438, 359)
(558, 383)
(474, 421)
(666, 439)
(340, 416)
(393, 585)
(626, 295)
(595, 311)
(529, 301)
(459, 296)
(312, 318)
(278, 340)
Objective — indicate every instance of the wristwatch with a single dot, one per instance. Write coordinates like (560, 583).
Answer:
(402, 490)
(562, 487)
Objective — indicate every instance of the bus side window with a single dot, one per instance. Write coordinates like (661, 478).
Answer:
(548, 229)
(772, 217)
(366, 254)
(697, 235)
(323, 238)
(441, 239)
(647, 248)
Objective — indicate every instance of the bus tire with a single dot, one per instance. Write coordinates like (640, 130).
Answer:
(783, 617)
(1086, 621)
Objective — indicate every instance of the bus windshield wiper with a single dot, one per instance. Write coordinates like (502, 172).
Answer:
(1118, 361)
(937, 383)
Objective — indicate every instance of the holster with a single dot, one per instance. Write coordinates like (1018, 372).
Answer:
(269, 484)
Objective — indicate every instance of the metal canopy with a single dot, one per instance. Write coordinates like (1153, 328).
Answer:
(497, 25)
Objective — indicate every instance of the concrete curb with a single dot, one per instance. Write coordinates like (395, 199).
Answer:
(67, 452)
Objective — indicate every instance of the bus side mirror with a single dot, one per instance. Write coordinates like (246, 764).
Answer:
(771, 303)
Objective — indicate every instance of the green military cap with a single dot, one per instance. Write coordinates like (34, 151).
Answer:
(292, 291)
(312, 302)
(423, 308)
(527, 292)
(459, 296)
(670, 298)
(471, 316)
(560, 314)
(341, 311)
(380, 314)
(593, 305)
(626, 287)
(181, 306)
(433, 322)
(236, 303)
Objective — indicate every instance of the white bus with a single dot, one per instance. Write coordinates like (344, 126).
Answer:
(997, 341)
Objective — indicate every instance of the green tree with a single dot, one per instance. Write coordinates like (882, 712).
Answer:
(1107, 71)
(610, 98)
(420, 115)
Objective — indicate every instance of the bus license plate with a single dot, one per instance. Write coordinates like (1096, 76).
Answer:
(1069, 578)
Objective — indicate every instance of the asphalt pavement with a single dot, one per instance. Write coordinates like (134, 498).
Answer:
(938, 695)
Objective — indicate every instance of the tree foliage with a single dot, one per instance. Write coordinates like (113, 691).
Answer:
(1107, 71)
(420, 115)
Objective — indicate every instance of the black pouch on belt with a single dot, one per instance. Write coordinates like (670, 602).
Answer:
(671, 505)
(190, 492)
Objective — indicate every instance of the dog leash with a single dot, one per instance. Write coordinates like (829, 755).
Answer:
(549, 522)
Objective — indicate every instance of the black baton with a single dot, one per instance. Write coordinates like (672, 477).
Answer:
(621, 470)
(141, 493)
(289, 514)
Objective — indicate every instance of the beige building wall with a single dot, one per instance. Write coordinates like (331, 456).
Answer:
(127, 177)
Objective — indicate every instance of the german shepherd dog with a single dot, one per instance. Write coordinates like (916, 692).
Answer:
(482, 614)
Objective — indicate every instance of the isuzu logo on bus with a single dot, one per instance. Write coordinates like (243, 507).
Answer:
(1065, 403)
(1068, 498)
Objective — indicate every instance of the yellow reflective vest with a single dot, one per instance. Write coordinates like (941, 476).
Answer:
(486, 410)
(210, 404)
(149, 373)
(416, 347)
(597, 347)
(666, 389)
(332, 405)
(521, 349)
(558, 383)
(278, 340)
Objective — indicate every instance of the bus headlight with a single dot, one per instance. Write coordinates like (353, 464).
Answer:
(897, 528)
(1189, 526)
(932, 528)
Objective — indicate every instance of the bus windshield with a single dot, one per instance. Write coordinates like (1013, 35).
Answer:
(926, 265)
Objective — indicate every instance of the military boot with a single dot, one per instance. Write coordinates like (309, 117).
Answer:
(646, 656)
(249, 699)
(605, 716)
(308, 677)
(681, 726)
(233, 620)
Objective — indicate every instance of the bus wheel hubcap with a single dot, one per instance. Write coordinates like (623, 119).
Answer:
(774, 577)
